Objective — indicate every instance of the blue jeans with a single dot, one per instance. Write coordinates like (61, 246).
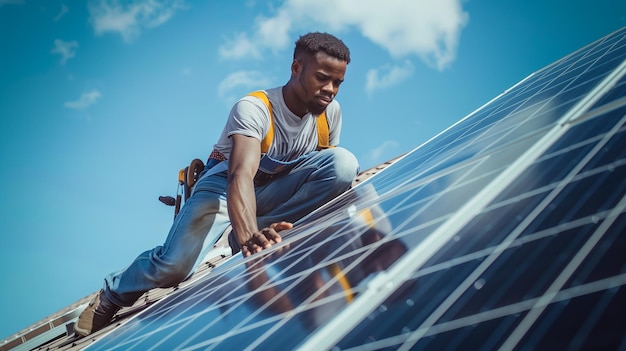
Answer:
(317, 179)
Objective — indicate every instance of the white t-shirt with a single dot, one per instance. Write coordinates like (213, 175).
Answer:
(293, 136)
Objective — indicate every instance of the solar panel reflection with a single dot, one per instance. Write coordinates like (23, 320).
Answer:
(503, 231)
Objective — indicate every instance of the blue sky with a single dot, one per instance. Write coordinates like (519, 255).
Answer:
(102, 102)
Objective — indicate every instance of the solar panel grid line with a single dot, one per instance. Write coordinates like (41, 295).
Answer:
(416, 187)
(507, 243)
(585, 68)
(594, 221)
(600, 110)
(518, 242)
(616, 93)
(534, 115)
(303, 226)
(515, 308)
(287, 315)
(540, 79)
(467, 283)
(425, 206)
(536, 79)
(609, 39)
(308, 303)
(602, 253)
(508, 110)
(113, 331)
(615, 51)
(579, 338)
(184, 322)
(471, 279)
(141, 334)
(235, 303)
(342, 197)
(168, 304)
(213, 342)
(464, 120)
(335, 212)
(187, 320)
(533, 88)
(581, 106)
(504, 140)
(601, 89)
(305, 274)
(544, 80)
(557, 67)
(419, 206)
(422, 176)
(348, 267)
(599, 170)
(515, 337)
(130, 341)
(302, 275)
(362, 254)
(348, 318)
(536, 107)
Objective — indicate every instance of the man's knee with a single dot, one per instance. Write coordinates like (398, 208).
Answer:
(345, 165)
(172, 274)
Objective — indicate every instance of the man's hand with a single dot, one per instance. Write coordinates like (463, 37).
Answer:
(264, 238)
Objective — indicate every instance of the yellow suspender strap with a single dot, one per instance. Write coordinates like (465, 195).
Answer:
(267, 141)
(368, 217)
(323, 135)
(342, 280)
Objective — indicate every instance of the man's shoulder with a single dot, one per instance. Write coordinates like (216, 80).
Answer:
(255, 97)
(333, 110)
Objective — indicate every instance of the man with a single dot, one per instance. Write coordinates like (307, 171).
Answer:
(266, 189)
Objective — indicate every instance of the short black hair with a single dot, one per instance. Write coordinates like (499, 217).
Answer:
(312, 43)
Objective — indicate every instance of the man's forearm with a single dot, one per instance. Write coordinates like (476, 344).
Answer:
(242, 206)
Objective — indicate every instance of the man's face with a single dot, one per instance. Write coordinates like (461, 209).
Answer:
(319, 78)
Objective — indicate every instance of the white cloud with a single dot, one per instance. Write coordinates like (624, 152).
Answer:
(248, 79)
(269, 33)
(67, 49)
(383, 152)
(387, 76)
(240, 46)
(64, 10)
(86, 99)
(426, 29)
(128, 19)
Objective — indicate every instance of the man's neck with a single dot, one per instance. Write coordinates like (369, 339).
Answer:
(292, 101)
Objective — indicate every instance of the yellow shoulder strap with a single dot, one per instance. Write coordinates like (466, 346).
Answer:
(323, 135)
(269, 137)
(342, 280)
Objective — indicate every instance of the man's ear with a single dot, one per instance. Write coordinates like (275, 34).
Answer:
(296, 67)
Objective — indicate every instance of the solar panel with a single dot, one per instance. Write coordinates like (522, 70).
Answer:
(503, 231)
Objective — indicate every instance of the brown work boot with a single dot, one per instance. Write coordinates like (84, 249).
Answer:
(96, 315)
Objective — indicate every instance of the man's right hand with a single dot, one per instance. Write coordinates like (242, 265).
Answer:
(264, 238)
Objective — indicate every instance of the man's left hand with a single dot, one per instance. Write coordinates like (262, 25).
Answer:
(264, 238)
